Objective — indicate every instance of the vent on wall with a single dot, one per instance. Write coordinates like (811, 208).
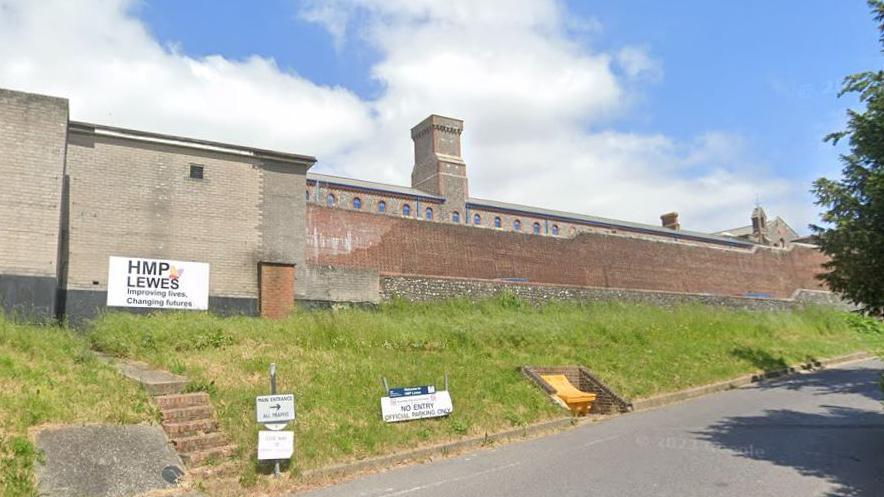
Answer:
(196, 171)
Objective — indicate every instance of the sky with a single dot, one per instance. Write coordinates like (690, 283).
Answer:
(625, 109)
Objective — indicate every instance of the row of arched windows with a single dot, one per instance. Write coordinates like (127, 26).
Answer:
(330, 201)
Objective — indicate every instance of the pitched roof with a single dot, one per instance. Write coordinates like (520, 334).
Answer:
(604, 222)
(372, 186)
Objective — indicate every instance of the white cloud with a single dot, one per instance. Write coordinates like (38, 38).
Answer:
(638, 64)
(96, 54)
(535, 100)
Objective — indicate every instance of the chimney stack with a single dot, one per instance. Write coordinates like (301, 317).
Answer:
(670, 220)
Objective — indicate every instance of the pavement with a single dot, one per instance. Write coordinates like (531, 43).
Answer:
(819, 434)
(104, 461)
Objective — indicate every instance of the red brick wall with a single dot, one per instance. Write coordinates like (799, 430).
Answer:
(339, 237)
(277, 292)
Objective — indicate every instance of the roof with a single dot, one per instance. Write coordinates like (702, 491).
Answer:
(602, 222)
(182, 141)
(741, 231)
(372, 186)
(506, 207)
(747, 230)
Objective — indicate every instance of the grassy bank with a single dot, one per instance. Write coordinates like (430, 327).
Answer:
(333, 361)
(49, 376)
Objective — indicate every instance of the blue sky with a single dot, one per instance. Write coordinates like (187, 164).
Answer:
(631, 108)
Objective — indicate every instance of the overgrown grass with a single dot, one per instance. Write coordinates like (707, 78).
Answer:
(49, 375)
(333, 361)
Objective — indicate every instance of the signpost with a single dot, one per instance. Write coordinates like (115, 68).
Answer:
(274, 411)
(418, 402)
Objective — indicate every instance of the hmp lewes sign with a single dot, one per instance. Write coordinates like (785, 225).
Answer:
(407, 403)
(157, 283)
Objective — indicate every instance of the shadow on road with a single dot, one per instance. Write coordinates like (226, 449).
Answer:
(843, 445)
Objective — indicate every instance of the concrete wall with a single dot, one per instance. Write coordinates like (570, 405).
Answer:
(341, 238)
(33, 131)
(338, 284)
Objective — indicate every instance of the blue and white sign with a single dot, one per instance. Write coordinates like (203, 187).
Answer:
(409, 391)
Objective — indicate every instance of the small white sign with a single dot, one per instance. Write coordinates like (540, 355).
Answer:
(275, 445)
(279, 408)
(416, 406)
(157, 283)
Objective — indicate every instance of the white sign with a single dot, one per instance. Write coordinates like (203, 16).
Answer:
(275, 445)
(157, 283)
(416, 406)
(278, 408)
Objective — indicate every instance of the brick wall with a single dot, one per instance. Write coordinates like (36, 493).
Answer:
(137, 199)
(32, 151)
(389, 245)
(277, 290)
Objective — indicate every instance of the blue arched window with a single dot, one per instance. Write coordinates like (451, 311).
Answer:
(517, 225)
(455, 217)
(429, 214)
(536, 228)
(497, 222)
(330, 200)
(477, 219)
(382, 206)
(357, 203)
(406, 210)
(555, 230)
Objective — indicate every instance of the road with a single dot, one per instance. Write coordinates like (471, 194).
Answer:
(812, 435)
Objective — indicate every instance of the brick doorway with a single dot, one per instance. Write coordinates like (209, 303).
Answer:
(276, 283)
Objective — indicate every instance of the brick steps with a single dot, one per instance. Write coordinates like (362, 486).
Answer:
(202, 457)
(181, 400)
(190, 428)
(195, 413)
(202, 441)
(189, 420)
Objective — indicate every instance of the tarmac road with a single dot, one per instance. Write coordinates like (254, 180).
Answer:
(811, 435)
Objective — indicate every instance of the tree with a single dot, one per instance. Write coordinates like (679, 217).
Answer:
(853, 206)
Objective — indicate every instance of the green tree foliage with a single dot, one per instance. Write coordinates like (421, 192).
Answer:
(853, 235)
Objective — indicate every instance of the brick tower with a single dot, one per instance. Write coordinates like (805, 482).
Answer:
(439, 167)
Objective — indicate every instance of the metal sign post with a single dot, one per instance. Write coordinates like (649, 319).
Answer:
(273, 392)
(274, 411)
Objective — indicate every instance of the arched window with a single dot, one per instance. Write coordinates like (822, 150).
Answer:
(330, 200)
(536, 228)
(477, 219)
(497, 222)
(307, 195)
(406, 210)
(382, 206)
(357, 203)
(517, 225)
(429, 214)
(555, 230)
(455, 217)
